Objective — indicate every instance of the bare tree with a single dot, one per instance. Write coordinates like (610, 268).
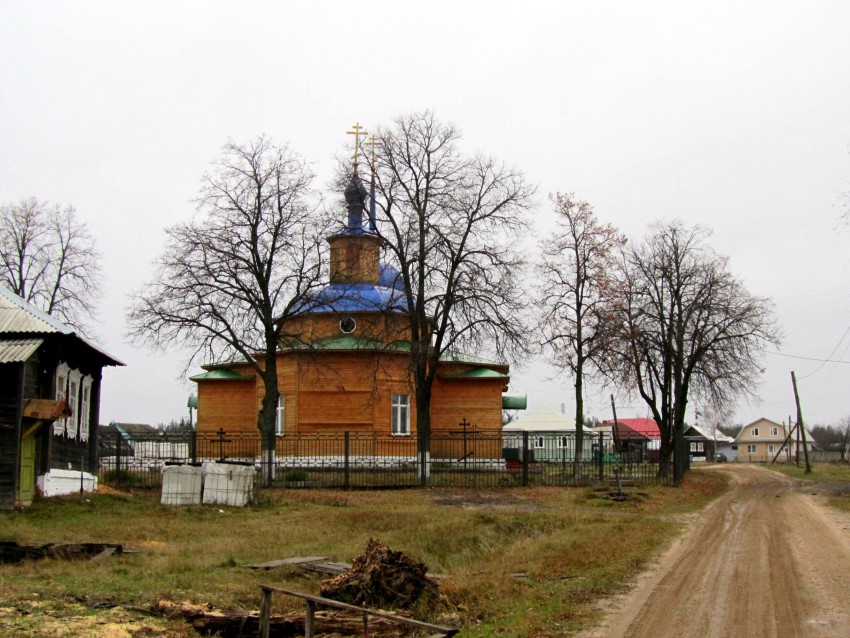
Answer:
(576, 265)
(688, 328)
(49, 258)
(227, 283)
(833, 437)
(452, 225)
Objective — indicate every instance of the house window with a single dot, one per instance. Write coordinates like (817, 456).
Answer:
(73, 401)
(538, 442)
(280, 419)
(85, 408)
(774, 431)
(696, 446)
(771, 449)
(755, 431)
(563, 442)
(401, 414)
(751, 449)
(60, 395)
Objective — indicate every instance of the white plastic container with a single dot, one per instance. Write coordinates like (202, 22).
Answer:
(182, 485)
(228, 484)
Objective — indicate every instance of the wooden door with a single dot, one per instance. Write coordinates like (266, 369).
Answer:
(27, 485)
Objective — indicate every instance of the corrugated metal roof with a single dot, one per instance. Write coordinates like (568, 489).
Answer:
(17, 350)
(19, 316)
(16, 315)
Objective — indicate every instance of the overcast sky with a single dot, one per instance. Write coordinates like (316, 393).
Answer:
(734, 115)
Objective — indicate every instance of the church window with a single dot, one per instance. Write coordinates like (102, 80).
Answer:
(347, 325)
(401, 414)
(280, 420)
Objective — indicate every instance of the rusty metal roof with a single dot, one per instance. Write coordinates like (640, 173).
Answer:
(17, 350)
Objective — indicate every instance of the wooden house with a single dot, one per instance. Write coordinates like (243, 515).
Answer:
(50, 381)
(703, 444)
(635, 439)
(761, 440)
(348, 370)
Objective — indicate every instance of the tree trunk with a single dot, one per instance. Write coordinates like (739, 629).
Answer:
(579, 446)
(267, 416)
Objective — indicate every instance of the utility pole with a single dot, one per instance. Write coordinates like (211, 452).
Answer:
(802, 429)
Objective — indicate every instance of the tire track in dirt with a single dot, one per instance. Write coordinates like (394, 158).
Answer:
(765, 560)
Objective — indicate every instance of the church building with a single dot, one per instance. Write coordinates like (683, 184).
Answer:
(349, 369)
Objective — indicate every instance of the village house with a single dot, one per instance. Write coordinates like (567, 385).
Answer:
(349, 368)
(50, 380)
(761, 440)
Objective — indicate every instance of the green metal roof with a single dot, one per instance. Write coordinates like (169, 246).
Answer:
(514, 402)
(221, 375)
(477, 373)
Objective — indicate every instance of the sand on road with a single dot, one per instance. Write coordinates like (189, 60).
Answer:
(767, 559)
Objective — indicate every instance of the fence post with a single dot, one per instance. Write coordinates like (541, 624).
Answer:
(193, 445)
(347, 465)
(117, 453)
(526, 457)
(265, 613)
(601, 459)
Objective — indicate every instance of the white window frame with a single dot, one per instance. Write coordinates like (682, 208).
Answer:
(755, 431)
(85, 408)
(774, 431)
(538, 442)
(74, 384)
(751, 449)
(280, 416)
(563, 442)
(60, 394)
(400, 414)
(771, 448)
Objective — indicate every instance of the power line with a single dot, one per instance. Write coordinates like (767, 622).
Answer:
(793, 356)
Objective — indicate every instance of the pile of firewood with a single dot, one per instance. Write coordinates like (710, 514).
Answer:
(382, 578)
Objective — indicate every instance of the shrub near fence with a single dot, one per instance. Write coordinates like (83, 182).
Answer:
(356, 460)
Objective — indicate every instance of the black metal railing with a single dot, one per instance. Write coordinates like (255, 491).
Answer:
(358, 460)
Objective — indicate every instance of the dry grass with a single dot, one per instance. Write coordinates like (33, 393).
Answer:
(831, 477)
(522, 562)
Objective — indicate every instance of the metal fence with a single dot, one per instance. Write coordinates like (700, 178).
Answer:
(356, 460)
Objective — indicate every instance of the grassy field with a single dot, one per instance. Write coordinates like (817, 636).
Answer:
(517, 563)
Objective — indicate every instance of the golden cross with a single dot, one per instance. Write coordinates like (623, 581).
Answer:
(373, 142)
(357, 132)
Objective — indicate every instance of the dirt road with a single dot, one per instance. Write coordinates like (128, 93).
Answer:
(766, 560)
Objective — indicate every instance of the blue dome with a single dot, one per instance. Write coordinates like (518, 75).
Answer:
(390, 277)
(356, 298)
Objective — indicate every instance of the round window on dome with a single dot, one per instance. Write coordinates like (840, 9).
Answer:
(347, 325)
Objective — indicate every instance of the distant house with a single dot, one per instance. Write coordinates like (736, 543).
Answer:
(551, 435)
(635, 439)
(761, 440)
(703, 444)
(50, 381)
(139, 445)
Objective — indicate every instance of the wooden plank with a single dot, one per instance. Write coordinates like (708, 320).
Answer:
(327, 568)
(294, 560)
(327, 602)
